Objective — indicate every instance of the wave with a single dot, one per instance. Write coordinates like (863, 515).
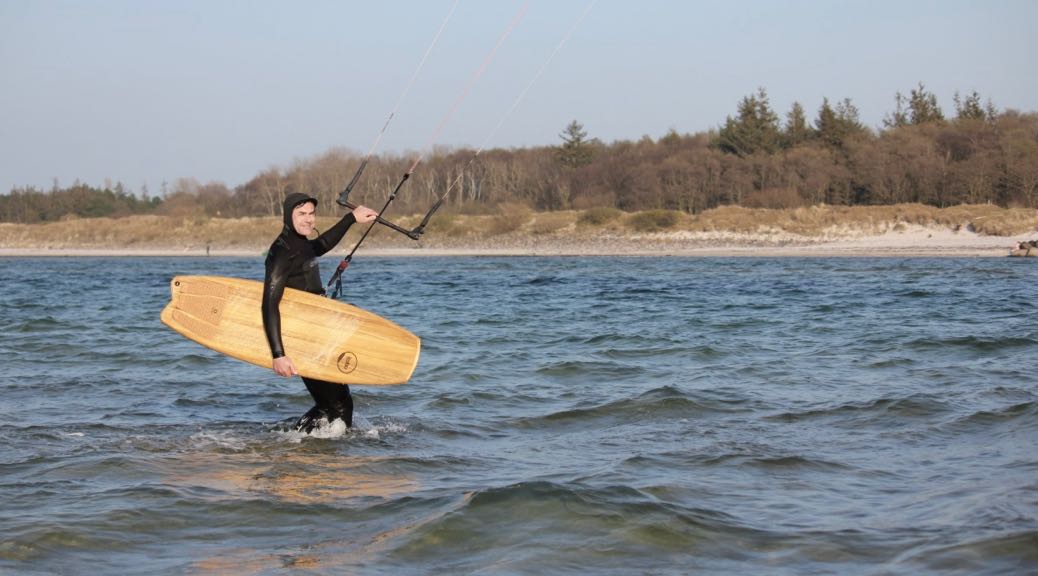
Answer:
(775, 463)
(589, 369)
(27, 543)
(629, 292)
(915, 406)
(977, 343)
(663, 402)
(44, 324)
(1010, 553)
(637, 347)
(666, 462)
(519, 527)
(915, 293)
(1024, 412)
(547, 281)
(195, 360)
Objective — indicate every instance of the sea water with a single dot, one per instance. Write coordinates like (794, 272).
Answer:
(567, 416)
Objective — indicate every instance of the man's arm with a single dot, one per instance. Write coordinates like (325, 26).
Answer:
(273, 289)
(334, 235)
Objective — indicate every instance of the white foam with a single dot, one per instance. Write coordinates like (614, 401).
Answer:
(324, 430)
(328, 430)
(224, 440)
(362, 427)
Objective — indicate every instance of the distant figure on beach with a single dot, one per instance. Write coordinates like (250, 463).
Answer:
(292, 263)
(1025, 248)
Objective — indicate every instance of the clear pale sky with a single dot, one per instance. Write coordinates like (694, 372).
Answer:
(146, 91)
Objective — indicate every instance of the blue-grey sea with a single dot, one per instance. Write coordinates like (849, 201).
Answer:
(568, 416)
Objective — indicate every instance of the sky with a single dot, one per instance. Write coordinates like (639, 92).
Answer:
(145, 92)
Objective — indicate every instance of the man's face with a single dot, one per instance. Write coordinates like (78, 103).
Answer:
(303, 218)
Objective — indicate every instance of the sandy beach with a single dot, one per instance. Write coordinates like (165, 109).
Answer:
(912, 241)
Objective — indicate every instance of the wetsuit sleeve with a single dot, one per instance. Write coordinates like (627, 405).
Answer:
(273, 289)
(333, 235)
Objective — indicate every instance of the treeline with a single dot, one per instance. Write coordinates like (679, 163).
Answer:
(31, 205)
(976, 155)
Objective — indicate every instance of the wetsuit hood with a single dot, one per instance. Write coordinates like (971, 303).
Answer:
(291, 201)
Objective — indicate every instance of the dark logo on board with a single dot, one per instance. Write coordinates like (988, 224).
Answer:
(347, 362)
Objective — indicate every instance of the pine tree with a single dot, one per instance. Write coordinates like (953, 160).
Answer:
(755, 130)
(796, 131)
(836, 125)
(969, 108)
(576, 149)
(899, 117)
(923, 108)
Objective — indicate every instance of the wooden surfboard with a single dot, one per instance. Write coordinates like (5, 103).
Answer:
(326, 339)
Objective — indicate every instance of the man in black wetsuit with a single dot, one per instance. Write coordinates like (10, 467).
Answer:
(292, 263)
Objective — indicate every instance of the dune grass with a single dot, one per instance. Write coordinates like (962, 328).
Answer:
(515, 221)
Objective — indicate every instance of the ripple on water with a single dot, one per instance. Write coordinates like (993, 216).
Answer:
(568, 415)
(603, 524)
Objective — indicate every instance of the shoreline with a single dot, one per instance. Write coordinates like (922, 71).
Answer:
(916, 241)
